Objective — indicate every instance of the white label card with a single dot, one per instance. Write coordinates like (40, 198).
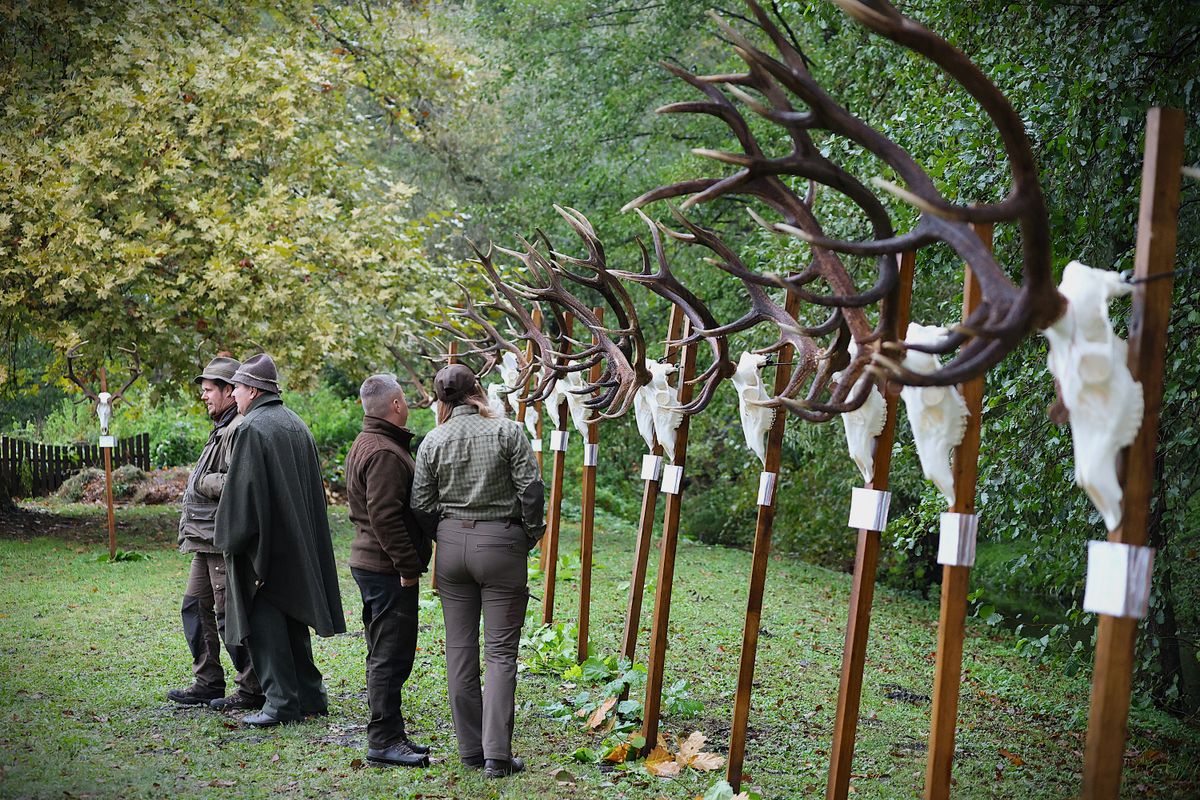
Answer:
(956, 544)
(537, 445)
(558, 440)
(869, 509)
(591, 455)
(1118, 579)
(672, 479)
(108, 441)
(651, 467)
(766, 488)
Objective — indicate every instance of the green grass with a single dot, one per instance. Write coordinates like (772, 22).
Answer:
(87, 651)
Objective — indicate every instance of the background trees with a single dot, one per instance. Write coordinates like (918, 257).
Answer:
(294, 178)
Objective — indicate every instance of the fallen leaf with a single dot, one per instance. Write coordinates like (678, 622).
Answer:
(1016, 760)
(661, 763)
(223, 784)
(618, 754)
(597, 717)
(689, 747)
(356, 764)
(561, 776)
(275, 757)
(707, 762)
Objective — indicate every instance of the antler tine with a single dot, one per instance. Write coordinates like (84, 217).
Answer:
(73, 354)
(135, 369)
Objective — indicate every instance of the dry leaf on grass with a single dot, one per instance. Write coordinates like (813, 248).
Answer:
(1016, 760)
(691, 754)
(661, 763)
(618, 754)
(597, 717)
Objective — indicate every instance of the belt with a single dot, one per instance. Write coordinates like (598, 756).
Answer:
(471, 523)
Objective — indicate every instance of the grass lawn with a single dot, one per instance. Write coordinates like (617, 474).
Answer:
(88, 650)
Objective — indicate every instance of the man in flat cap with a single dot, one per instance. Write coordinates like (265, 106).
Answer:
(203, 608)
(274, 531)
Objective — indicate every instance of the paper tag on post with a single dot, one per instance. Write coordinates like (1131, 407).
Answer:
(651, 467)
(1118, 579)
(672, 479)
(558, 440)
(108, 441)
(766, 488)
(591, 455)
(869, 509)
(956, 544)
(537, 445)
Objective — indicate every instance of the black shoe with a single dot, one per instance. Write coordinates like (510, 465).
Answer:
(499, 768)
(473, 763)
(194, 696)
(420, 749)
(399, 755)
(263, 720)
(238, 702)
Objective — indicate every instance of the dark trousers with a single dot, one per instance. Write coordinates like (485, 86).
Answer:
(203, 614)
(281, 648)
(390, 619)
(481, 567)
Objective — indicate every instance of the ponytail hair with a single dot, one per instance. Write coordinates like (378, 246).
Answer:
(475, 398)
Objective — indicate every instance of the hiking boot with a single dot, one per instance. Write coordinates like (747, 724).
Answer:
(194, 695)
(419, 749)
(400, 754)
(238, 702)
(499, 767)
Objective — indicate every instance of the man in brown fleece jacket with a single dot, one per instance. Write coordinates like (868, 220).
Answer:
(387, 557)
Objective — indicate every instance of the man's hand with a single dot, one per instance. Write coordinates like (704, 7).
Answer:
(407, 582)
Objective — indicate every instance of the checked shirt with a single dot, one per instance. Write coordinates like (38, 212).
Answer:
(478, 468)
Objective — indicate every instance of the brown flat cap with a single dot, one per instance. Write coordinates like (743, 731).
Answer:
(258, 371)
(453, 383)
(219, 369)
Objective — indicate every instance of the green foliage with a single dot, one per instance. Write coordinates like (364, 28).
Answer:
(202, 176)
(549, 649)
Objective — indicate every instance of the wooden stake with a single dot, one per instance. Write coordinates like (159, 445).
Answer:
(862, 592)
(758, 570)
(108, 489)
(645, 534)
(956, 579)
(1158, 220)
(588, 516)
(554, 514)
(661, 620)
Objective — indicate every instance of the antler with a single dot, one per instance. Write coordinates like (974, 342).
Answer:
(73, 354)
(135, 370)
(1006, 314)
(424, 399)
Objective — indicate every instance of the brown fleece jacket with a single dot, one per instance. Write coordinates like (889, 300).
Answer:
(379, 471)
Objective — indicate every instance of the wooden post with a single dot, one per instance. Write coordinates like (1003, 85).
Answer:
(451, 358)
(1158, 219)
(108, 493)
(554, 514)
(862, 591)
(956, 579)
(758, 567)
(587, 521)
(645, 534)
(661, 620)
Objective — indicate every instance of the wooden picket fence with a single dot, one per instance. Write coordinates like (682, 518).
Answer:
(33, 469)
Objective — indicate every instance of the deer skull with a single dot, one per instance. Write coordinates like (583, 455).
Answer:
(104, 410)
(655, 407)
(1089, 362)
(756, 418)
(937, 414)
(864, 424)
(510, 374)
(496, 399)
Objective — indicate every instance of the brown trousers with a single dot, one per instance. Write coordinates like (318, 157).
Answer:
(481, 567)
(203, 614)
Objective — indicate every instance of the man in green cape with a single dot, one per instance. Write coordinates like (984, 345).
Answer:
(274, 531)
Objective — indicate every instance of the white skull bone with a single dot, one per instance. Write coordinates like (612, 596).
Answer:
(756, 419)
(104, 411)
(655, 408)
(1104, 401)
(864, 424)
(937, 414)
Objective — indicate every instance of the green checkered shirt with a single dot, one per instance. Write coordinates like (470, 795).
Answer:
(480, 468)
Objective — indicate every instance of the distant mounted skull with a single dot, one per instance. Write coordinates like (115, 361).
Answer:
(864, 424)
(937, 414)
(104, 410)
(1088, 360)
(756, 418)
